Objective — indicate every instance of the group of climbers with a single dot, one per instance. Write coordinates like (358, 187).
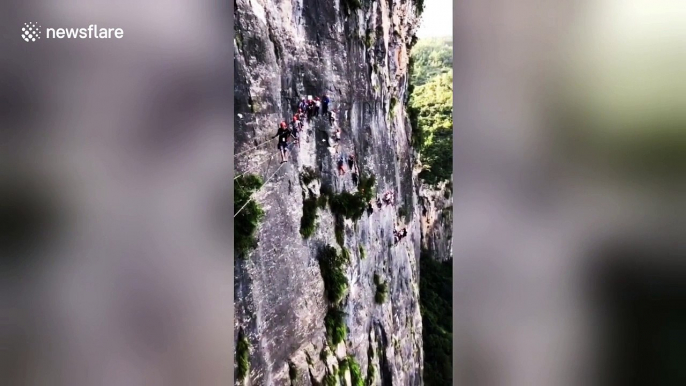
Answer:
(312, 106)
(307, 108)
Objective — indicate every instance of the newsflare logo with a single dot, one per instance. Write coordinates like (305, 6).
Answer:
(32, 31)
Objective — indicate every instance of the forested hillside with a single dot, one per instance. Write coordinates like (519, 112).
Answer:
(430, 108)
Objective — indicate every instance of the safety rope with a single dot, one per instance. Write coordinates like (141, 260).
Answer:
(254, 148)
(251, 196)
(250, 170)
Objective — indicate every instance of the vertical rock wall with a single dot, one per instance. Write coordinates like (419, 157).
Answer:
(284, 51)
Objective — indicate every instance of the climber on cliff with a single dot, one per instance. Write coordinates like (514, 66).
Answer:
(294, 131)
(302, 106)
(317, 106)
(388, 198)
(310, 109)
(325, 104)
(341, 165)
(332, 118)
(283, 134)
(399, 235)
(297, 123)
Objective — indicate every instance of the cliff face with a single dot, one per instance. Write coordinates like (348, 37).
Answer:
(437, 220)
(284, 51)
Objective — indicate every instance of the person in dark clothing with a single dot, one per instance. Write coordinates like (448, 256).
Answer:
(332, 117)
(310, 109)
(325, 105)
(351, 161)
(283, 134)
(303, 104)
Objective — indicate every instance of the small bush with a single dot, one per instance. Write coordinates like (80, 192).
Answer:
(247, 221)
(381, 292)
(308, 175)
(350, 364)
(323, 354)
(377, 279)
(420, 6)
(321, 201)
(371, 372)
(343, 367)
(326, 190)
(354, 205)
(309, 218)
(331, 266)
(402, 211)
(335, 326)
(362, 254)
(330, 380)
(339, 229)
(242, 356)
(346, 255)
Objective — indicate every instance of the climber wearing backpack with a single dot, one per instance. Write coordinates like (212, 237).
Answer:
(283, 134)
(302, 105)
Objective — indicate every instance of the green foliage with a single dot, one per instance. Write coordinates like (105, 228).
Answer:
(431, 57)
(346, 254)
(371, 373)
(402, 211)
(242, 356)
(321, 201)
(323, 354)
(335, 326)
(436, 299)
(362, 253)
(354, 205)
(355, 372)
(381, 292)
(339, 229)
(332, 266)
(309, 218)
(330, 380)
(430, 112)
(308, 175)
(342, 366)
(420, 6)
(247, 221)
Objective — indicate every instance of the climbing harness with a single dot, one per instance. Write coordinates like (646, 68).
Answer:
(251, 196)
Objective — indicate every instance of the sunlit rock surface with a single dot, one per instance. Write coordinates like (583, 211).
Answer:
(286, 50)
